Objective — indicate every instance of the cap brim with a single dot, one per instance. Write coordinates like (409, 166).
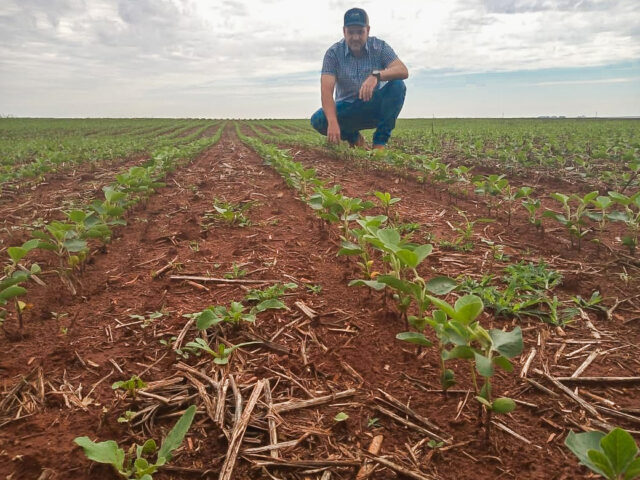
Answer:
(359, 24)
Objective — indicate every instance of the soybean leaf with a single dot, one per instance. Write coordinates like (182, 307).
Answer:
(414, 337)
(620, 447)
(503, 405)
(468, 308)
(441, 285)
(602, 462)
(11, 292)
(367, 283)
(75, 245)
(177, 433)
(504, 363)
(508, 344)
(206, 319)
(103, 452)
(271, 303)
(17, 253)
(581, 443)
(633, 470)
(483, 365)
(461, 351)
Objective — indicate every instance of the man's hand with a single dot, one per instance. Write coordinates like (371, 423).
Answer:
(333, 133)
(367, 88)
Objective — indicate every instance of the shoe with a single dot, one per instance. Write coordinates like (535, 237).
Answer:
(360, 142)
(379, 147)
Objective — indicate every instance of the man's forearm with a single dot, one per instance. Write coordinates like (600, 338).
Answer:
(396, 71)
(329, 107)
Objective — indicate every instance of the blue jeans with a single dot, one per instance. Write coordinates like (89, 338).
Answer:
(380, 113)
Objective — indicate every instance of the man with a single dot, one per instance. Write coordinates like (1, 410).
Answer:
(367, 76)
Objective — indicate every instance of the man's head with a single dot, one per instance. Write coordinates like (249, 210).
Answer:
(356, 29)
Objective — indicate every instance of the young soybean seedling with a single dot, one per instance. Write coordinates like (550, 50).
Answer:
(131, 386)
(138, 466)
(614, 456)
(221, 354)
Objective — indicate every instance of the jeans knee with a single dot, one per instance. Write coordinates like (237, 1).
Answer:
(318, 120)
(397, 87)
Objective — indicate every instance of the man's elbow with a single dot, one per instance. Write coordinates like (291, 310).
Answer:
(405, 73)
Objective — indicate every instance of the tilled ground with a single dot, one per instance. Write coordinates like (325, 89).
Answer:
(75, 354)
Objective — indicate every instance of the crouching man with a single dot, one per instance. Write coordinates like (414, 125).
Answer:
(366, 75)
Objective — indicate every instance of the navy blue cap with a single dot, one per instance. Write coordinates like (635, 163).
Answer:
(356, 16)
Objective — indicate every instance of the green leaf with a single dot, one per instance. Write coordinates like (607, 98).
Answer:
(341, 417)
(508, 344)
(581, 443)
(422, 252)
(461, 351)
(415, 338)
(206, 319)
(633, 470)
(77, 216)
(620, 447)
(17, 253)
(441, 285)
(447, 379)
(504, 363)
(599, 460)
(104, 452)
(503, 405)
(395, 283)
(12, 292)
(177, 433)
(483, 365)
(484, 401)
(468, 308)
(75, 245)
(272, 303)
(407, 257)
(367, 283)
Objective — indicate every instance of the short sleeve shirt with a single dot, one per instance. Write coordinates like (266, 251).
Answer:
(351, 71)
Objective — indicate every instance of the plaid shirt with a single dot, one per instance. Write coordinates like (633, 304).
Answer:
(351, 71)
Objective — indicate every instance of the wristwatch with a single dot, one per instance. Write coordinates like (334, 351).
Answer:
(376, 73)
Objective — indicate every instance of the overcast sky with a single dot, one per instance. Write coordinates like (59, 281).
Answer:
(235, 58)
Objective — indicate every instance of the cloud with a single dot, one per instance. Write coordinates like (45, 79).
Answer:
(137, 51)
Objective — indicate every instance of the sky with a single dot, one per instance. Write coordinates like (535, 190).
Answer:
(262, 59)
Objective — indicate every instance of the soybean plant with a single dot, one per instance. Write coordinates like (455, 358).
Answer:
(221, 353)
(614, 455)
(629, 217)
(573, 219)
(139, 466)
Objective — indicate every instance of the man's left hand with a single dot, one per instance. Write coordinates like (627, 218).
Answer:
(367, 88)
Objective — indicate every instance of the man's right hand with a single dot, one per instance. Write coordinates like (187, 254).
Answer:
(333, 133)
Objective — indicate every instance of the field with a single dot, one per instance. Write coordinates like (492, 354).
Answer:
(449, 308)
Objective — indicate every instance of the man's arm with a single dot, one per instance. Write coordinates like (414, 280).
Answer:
(396, 70)
(327, 85)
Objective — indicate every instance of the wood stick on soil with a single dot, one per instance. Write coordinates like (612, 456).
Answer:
(195, 278)
(527, 364)
(374, 449)
(312, 402)
(309, 312)
(405, 409)
(398, 468)
(220, 404)
(409, 424)
(504, 428)
(183, 333)
(273, 447)
(569, 393)
(542, 388)
(199, 374)
(164, 269)
(600, 380)
(273, 432)
(238, 397)
(238, 433)
(272, 462)
(206, 398)
(592, 356)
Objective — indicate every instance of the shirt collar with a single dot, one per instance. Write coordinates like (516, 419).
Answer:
(347, 50)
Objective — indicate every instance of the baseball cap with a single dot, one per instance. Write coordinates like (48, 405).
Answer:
(356, 16)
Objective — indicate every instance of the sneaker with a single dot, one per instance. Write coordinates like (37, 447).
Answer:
(379, 147)
(360, 142)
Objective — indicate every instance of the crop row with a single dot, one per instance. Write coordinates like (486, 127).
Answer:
(55, 151)
(69, 239)
(579, 215)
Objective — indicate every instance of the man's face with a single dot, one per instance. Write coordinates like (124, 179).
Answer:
(356, 37)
